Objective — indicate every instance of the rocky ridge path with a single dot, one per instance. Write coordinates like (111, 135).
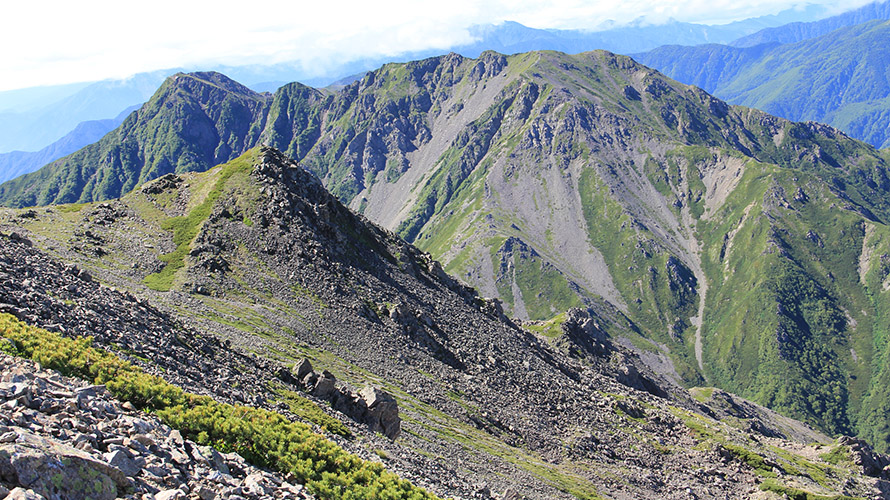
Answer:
(61, 438)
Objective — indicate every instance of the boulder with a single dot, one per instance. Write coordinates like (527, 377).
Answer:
(310, 379)
(302, 368)
(510, 494)
(324, 385)
(215, 459)
(255, 484)
(55, 470)
(170, 495)
(23, 494)
(383, 412)
(120, 460)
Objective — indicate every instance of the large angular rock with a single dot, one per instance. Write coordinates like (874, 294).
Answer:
(54, 470)
(324, 385)
(170, 495)
(23, 494)
(383, 412)
(302, 368)
(123, 462)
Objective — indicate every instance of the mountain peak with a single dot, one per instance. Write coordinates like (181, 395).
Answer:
(193, 122)
(211, 78)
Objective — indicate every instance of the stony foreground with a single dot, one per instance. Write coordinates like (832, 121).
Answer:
(61, 438)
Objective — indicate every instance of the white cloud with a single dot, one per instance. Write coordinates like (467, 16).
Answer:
(52, 41)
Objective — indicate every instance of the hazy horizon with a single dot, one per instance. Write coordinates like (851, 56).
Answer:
(114, 40)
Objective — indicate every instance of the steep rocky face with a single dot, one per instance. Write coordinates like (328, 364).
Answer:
(279, 267)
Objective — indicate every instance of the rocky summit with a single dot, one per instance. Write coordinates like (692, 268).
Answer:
(254, 290)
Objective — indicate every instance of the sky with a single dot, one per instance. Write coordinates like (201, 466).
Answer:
(56, 42)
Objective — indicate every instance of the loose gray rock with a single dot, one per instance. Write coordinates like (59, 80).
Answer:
(23, 494)
(123, 462)
(110, 452)
(51, 468)
(170, 495)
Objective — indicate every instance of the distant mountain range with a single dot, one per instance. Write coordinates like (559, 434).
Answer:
(800, 30)
(839, 78)
(512, 37)
(35, 128)
(18, 163)
(31, 119)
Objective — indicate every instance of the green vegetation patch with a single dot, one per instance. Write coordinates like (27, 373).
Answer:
(551, 328)
(796, 494)
(784, 271)
(308, 410)
(545, 290)
(838, 455)
(71, 208)
(186, 227)
(262, 437)
(702, 394)
(755, 460)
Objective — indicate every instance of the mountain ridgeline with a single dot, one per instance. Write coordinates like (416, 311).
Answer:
(192, 123)
(750, 250)
(798, 31)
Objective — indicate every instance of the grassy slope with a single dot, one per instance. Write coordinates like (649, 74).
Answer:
(186, 227)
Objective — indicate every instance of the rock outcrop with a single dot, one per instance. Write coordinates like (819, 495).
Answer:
(371, 406)
(863, 456)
